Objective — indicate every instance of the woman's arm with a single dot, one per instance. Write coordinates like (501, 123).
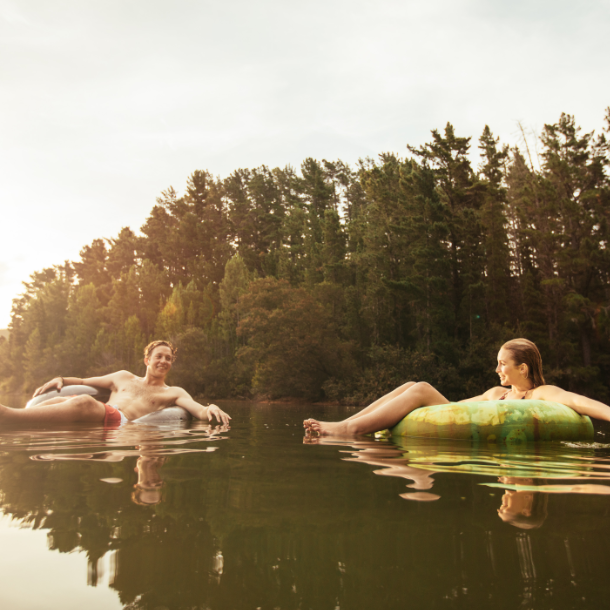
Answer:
(491, 394)
(580, 404)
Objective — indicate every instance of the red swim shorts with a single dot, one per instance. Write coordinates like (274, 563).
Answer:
(113, 417)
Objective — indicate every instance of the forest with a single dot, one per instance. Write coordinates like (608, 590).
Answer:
(338, 283)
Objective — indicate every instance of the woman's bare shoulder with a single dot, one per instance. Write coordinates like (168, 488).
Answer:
(494, 393)
(491, 394)
(547, 392)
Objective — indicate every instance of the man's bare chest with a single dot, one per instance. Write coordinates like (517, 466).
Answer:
(137, 391)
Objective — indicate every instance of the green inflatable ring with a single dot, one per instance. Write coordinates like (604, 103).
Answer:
(497, 421)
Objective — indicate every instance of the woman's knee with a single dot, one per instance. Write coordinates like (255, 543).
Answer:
(407, 386)
(423, 387)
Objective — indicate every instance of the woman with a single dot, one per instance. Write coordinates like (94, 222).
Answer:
(519, 366)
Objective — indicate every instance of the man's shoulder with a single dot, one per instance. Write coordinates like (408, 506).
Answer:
(123, 376)
(178, 390)
(124, 373)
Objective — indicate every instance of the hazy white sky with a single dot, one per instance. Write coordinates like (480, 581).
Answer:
(105, 103)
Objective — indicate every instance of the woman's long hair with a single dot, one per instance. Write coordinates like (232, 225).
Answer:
(526, 352)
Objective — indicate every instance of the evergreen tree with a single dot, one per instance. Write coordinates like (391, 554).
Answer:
(577, 182)
(82, 323)
(256, 212)
(232, 289)
(337, 281)
(204, 231)
(92, 269)
(494, 224)
(123, 253)
(448, 156)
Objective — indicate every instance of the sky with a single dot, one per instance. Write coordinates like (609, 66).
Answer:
(104, 104)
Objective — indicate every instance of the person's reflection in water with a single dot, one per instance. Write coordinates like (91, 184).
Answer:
(151, 446)
(392, 461)
(525, 509)
(147, 491)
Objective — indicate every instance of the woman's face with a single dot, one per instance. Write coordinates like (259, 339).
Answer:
(507, 369)
(516, 503)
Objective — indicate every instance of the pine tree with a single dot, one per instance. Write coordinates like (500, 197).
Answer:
(494, 224)
(447, 155)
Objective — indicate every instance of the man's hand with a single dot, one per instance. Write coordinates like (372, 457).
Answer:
(219, 414)
(56, 383)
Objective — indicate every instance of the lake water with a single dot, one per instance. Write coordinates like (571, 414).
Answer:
(257, 516)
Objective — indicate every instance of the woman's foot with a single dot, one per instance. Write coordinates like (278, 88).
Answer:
(323, 428)
(310, 424)
(307, 425)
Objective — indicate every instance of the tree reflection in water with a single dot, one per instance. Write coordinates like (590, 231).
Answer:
(143, 537)
(524, 504)
(264, 521)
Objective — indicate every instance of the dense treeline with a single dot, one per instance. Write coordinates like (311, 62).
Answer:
(341, 282)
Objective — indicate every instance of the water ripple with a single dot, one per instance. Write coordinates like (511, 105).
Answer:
(525, 472)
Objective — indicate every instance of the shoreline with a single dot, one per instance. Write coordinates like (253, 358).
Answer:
(275, 401)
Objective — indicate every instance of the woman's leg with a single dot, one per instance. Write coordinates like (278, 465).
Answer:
(73, 409)
(386, 415)
(383, 400)
(374, 405)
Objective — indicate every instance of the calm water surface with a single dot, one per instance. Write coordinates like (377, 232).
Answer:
(260, 517)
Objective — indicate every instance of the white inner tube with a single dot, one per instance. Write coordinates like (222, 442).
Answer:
(169, 415)
(70, 390)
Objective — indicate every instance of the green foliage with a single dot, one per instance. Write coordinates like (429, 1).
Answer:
(386, 367)
(172, 319)
(292, 342)
(341, 283)
(231, 291)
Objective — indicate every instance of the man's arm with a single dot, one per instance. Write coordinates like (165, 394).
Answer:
(105, 381)
(185, 401)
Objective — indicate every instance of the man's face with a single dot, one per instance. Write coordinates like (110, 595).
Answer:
(160, 361)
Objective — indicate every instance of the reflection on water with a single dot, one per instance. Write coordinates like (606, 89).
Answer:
(151, 445)
(522, 471)
(258, 517)
(84, 510)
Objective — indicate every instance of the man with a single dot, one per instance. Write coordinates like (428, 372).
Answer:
(131, 396)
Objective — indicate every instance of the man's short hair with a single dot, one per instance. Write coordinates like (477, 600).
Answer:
(150, 348)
